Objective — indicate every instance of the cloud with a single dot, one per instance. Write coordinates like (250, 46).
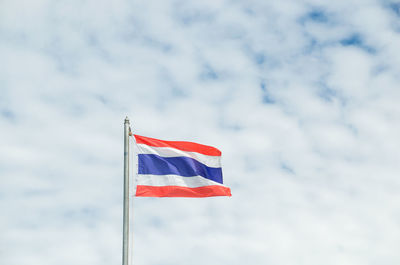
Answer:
(301, 97)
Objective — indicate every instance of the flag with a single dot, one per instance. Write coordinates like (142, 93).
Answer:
(178, 169)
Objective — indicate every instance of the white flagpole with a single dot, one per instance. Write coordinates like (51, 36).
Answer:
(125, 239)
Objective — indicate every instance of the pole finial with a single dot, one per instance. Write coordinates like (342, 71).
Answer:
(126, 120)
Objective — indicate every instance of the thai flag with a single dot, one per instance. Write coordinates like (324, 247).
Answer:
(178, 169)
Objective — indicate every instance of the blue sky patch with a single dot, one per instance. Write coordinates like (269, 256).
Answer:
(208, 73)
(318, 16)
(357, 41)
(327, 94)
(315, 16)
(287, 168)
(395, 7)
(354, 40)
(156, 44)
(8, 114)
(266, 96)
(259, 58)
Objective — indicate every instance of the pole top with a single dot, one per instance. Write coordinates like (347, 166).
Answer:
(126, 120)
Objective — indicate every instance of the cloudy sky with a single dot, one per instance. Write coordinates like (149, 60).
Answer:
(302, 97)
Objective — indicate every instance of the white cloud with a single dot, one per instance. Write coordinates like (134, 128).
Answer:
(301, 97)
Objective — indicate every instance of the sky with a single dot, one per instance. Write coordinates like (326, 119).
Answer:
(301, 97)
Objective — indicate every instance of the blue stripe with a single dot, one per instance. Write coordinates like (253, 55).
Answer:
(183, 166)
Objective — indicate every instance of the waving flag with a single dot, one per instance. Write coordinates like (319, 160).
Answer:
(178, 169)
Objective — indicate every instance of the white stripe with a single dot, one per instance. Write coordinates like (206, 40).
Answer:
(210, 161)
(174, 180)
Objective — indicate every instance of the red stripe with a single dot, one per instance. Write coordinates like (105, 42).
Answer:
(181, 145)
(177, 191)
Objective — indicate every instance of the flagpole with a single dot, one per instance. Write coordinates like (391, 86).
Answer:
(125, 239)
